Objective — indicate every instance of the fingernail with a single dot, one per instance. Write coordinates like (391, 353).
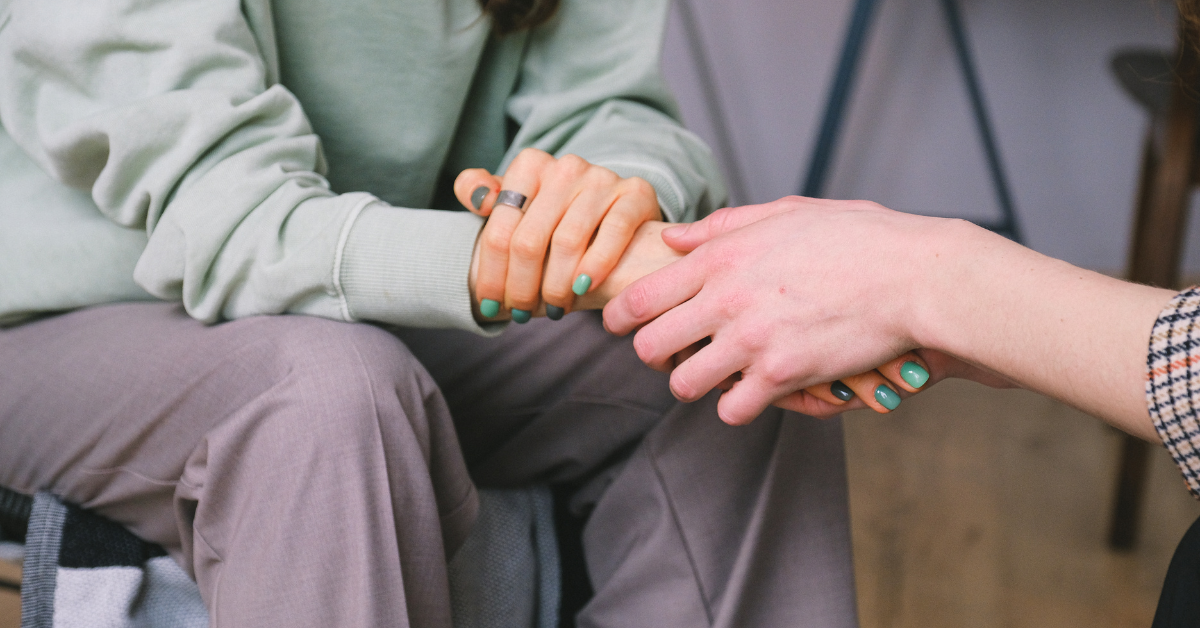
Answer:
(521, 316)
(581, 285)
(479, 194)
(841, 391)
(914, 374)
(887, 397)
(677, 231)
(489, 308)
(553, 312)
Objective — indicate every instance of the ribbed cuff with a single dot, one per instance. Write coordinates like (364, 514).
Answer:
(410, 267)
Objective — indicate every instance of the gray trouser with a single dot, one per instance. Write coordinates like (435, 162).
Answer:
(309, 473)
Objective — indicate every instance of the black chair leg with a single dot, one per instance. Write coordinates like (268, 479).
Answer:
(14, 514)
(838, 103)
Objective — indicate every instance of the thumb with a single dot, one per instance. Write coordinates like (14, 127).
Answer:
(685, 238)
(476, 189)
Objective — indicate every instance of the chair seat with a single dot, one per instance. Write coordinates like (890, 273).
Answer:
(82, 569)
(1146, 75)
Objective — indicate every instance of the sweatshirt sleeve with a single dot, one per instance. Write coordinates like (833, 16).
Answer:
(1173, 383)
(591, 84)
(170, 115)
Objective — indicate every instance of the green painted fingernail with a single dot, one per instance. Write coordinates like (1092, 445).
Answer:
(914, 374)
(521, 316)
(581, 285)
(489, 308)
(479, 194)
(553, 312)
(841, 391)
(887, 397)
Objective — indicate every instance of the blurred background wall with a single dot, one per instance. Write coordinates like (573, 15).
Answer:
(1069, 137)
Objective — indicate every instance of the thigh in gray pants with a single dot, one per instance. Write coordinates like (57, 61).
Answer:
(314, 473)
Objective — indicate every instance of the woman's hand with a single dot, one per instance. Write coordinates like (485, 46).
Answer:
(905, 376)
(791, 302)
(577, 223)
(803, 291)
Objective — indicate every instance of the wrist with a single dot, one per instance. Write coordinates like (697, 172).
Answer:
(946, 276)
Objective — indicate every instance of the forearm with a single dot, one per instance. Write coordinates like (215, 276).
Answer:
(1073, 334)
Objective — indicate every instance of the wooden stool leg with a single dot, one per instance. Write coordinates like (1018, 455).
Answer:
(1135, 453)
(1131, 481)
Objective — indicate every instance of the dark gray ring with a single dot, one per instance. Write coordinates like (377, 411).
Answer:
(512, 199)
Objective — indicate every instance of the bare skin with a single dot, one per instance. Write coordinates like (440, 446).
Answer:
(584, 219)
(645, 254)
(579, 220)
(803, 291)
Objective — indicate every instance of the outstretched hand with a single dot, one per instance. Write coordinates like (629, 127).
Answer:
(786, 298)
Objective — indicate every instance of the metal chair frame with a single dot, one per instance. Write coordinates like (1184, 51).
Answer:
(837, 104)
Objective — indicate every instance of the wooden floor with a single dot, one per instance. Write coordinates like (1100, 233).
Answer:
(984, 508)
(10, 602)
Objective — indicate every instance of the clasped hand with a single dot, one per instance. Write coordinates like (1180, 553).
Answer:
(555, 254)
(585, 234)
(774, 301)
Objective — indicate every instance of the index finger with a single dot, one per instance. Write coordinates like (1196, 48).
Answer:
(686, 237)
(648, 297)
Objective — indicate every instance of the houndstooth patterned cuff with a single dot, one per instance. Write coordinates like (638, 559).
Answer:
(1173, 382)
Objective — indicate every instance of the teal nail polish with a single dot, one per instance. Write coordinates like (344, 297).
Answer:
(553, 312)
(841, 391)
(478, 195)
(581, 285)
(887, 397)
(914, 374)
(489, 308)
(521, 316)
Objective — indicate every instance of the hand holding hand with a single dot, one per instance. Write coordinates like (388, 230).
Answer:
(789, 298)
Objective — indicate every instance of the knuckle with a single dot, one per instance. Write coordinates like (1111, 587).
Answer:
(496, 240)
(532, 154)
(490, 288)
(637, 299)
(528, 245)
(644, 345)
(569, 239)
(529, 158)
(733, 303)
(622, 222)
(571, 160)
(556, 294)
(603, 258)
(752, 336)
(720, 219)
(641, 187)
(776, 373)
(601, 176)
(571, 166)
(522, 297)
(680, 385)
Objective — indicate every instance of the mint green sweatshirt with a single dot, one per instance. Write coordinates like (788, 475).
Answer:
(260, 157)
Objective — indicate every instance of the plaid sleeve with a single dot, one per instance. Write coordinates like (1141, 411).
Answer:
(1173, 382)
